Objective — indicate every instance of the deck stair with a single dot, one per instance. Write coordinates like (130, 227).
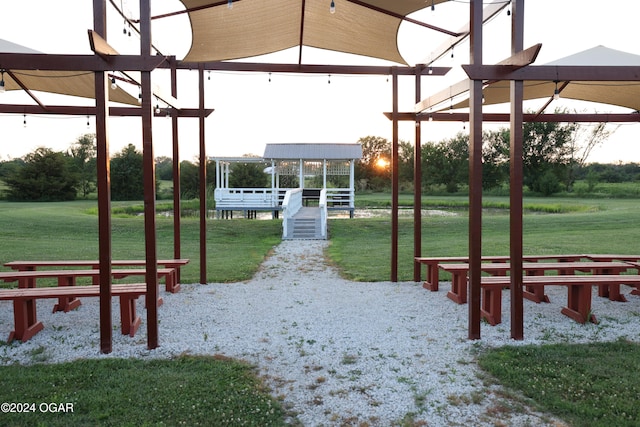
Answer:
(305, 225)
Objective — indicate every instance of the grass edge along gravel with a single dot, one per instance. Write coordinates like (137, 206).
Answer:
(595, 384)
(188, 390)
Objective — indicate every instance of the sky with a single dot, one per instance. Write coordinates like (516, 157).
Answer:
(253, 109)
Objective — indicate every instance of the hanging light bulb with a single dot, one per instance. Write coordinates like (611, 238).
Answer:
(430, 69)
(114, 86)
(509, 9)
(433, 5)
(24, 120)
(88, 124)
(230, 4)
(2, 88)
(157, 110)
(332, 7)
(140, 96)
(556, 92)
(430, 117)
(329, 80)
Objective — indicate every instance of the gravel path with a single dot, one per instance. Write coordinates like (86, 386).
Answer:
(337, 352)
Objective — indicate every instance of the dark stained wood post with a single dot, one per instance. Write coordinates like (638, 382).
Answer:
(516, 176)
(475, 173)
(103, 184)
(417, 182)
(203, 180)
(177, 208)
(149, 179)
(394, 180)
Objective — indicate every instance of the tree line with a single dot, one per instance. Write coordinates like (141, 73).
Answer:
(554, 158)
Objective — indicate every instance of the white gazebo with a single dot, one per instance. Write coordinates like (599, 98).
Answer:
(302, 175)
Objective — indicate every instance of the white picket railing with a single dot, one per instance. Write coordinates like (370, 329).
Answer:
(323, 213)
(290, 206)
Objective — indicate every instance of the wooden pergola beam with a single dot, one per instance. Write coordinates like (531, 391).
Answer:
(519, 60)
(70, 110)
(554, 73)
(528, 117)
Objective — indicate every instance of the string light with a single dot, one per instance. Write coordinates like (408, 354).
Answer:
(556, 92)
(332, 7)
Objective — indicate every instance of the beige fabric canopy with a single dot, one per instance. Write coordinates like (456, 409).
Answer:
(256, 27)
(623, 94)
(74, 83)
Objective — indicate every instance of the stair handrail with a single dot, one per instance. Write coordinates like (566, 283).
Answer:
(290, 206)
(322, 204)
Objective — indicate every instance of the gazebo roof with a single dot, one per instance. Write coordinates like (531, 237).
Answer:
(256, 27)
(309, 151)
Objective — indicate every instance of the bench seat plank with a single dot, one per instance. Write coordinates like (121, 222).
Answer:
(579, 289)
(432, 281)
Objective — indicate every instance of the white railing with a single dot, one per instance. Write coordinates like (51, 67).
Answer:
(290, 206)
(340, 197)
(322, 204)
(246, 197)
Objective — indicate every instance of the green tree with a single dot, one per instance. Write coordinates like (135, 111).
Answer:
(546, 149)
(448, 162)
(46, 176)
(248, 175)
(127, 175)
(495, 158)
(164, 168)
(371, 169)
(190, 178)
(83, 156)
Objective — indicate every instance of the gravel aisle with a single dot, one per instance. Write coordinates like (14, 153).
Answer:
(337, 352)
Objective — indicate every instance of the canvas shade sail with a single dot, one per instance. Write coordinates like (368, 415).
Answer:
(622, 94)
(73, 83)
(256, 27)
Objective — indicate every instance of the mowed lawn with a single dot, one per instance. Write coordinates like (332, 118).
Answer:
(235, 248)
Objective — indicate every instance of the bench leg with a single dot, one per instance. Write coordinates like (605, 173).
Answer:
(612, 292)
(66, 304)
(579, 304)
(432, 278)
(491, 307)
(171, 282)
(26, 322)
(128, 317)
(458, 292)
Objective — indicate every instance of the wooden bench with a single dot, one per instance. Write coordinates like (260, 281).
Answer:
(26, 323)
(26, 280)
(459, 276)
(578, 292)
(95, 265)
(432, 263)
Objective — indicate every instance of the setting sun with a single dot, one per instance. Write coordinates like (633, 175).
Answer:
(382, 163)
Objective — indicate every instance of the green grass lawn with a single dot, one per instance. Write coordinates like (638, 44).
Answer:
(69, 230)
(593, 385)
(584, 226)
